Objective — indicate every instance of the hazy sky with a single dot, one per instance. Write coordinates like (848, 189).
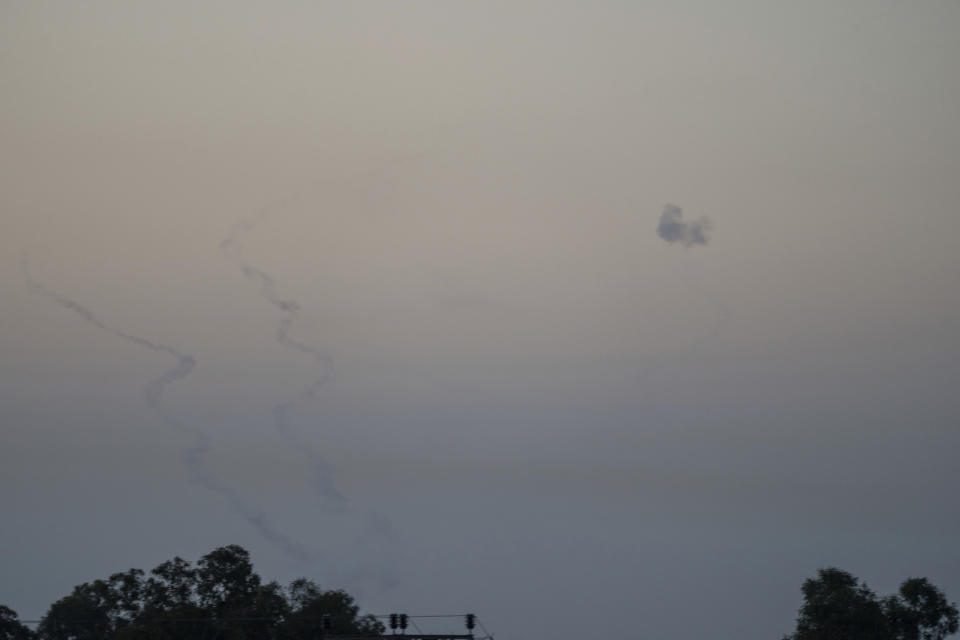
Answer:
(498, 389)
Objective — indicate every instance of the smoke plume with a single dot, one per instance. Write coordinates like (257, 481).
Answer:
(673, 229)
(193, 458)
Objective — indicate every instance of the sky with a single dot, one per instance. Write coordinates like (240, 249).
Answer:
(376, 290)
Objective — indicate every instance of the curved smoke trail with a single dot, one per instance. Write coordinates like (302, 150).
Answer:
(322, 471)
(194, 458)
(324, 479)
(374, 527)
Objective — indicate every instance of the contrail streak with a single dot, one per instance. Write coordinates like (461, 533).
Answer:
(194, 458)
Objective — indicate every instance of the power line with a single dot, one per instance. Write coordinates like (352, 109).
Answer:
(279, 618)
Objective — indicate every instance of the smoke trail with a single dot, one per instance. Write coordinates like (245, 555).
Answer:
(374, 526)
(194, 458)
(323, 476)
(673, 229)
(672, 358)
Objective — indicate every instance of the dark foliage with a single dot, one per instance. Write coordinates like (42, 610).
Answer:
(837, 606)
(220, 597)
(10, 626)
(920, 611)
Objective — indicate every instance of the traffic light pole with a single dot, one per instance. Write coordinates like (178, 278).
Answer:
(401, 621)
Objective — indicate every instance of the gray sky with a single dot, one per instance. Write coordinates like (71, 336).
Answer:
(531, 405)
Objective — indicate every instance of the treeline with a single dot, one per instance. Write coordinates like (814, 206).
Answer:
(221, 597)
(838, 606)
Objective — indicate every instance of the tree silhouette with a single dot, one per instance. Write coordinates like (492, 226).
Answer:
(221, 597)
(920, 611)
(10, 626)
(838, 606)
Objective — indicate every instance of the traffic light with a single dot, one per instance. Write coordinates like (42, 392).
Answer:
(471, 621)
(393, 621)
(403, 621)
(326, 622)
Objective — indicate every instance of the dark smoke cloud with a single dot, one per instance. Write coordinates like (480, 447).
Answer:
(194, 458)
(673, 229)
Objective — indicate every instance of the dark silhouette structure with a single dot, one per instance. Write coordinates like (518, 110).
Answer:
(218, 598)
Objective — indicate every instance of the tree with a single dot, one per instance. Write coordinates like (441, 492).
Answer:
(221, 597)
(170, 586)
(127, 592)
(310, 606)
(920, 611)
(10, 626)
(82, 615)
(837, 606)
(225, 579)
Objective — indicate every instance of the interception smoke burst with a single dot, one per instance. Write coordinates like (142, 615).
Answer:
(673, 229)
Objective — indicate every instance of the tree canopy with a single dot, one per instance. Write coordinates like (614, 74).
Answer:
(11, 627)
(838, 606)
(219, 597)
